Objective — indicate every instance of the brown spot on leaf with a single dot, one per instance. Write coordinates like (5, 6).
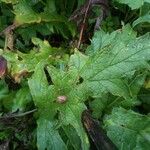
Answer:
(61, 99)
(18, 76)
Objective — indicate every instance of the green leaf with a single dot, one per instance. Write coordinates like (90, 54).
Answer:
(98, 105)
(48, 137)
(111, 61)
(136, 84)
(104, 48)
(50, 6)
(101, 39)
(3, 89)
(107, 102)
(3, 135)
(128, 130)
(144, 9)
(77, 61)
(59, 22)
(73, 138)
(22, 98)
(43, 95)
(27, 34)
(63, 84)
(103, 70)
(7, 101)
(25, 14)
(133, 4)
(81, 2)
(71, 115)
(19, 64)
(142, 19)
(148, 1)
(10, 1)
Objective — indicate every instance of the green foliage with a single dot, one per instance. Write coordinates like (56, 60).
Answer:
(129, 130)
(47, 98)
(142, 19)
(10, 1)
(110, 77)
(133, 4)
(48, 137)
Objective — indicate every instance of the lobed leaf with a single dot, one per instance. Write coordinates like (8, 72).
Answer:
(104, 70)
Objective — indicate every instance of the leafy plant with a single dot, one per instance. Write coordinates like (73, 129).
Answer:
(48, 88)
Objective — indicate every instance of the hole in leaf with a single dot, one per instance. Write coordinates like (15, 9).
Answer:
(48, 77)
(80, 80)
(19, 58)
